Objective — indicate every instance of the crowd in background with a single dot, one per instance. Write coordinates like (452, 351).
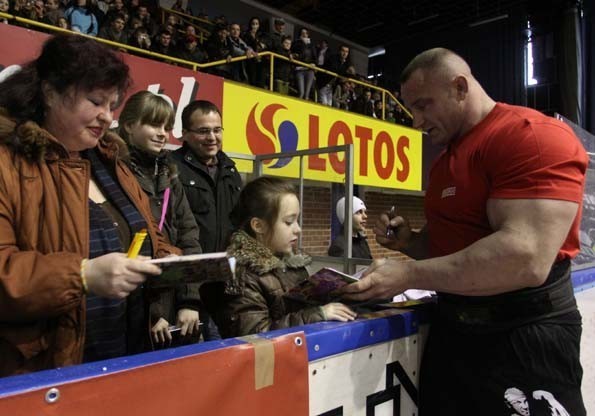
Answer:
(137, 24)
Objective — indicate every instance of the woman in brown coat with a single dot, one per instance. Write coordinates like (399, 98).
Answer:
(266, 266)
(68, 210)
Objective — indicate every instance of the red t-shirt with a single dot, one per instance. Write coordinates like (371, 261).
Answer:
(513, 153)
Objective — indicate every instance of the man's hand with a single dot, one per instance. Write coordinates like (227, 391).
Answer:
(187, 321)
(384, 278)
(392, 231)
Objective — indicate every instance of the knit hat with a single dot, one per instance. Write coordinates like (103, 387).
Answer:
(357, 205)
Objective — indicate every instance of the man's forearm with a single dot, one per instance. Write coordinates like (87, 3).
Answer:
(490, 266)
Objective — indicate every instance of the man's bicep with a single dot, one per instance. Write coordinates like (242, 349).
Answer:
(540, 225)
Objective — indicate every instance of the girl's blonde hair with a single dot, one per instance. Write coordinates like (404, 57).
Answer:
(146, 108)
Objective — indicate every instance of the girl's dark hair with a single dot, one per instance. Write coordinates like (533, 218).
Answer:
(260, 198)
(65, 61)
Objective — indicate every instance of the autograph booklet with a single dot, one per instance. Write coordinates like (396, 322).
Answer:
(319, 288)
(194, 268)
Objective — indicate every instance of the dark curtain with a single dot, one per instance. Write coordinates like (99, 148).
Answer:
(570, 63)
(495, 51)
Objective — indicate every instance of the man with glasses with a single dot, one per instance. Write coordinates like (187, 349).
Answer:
(210, 178)
(212, 185)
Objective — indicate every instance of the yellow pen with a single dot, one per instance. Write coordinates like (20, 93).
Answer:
(136, 244)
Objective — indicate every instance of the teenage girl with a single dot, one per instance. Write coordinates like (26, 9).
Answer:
(145, 123)
(266, 217)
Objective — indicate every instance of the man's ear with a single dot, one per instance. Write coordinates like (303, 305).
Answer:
(461, 86)
(258, 226)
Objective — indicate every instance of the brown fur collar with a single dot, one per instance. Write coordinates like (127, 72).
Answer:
(36, 143)
(257, 258)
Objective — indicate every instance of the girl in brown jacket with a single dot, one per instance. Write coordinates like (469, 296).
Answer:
(267, 218)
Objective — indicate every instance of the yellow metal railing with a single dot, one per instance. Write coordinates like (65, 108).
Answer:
(196, 66)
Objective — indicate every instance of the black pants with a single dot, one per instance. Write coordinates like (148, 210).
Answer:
(528, 370)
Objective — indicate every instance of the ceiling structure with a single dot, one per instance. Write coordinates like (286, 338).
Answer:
(374, 23)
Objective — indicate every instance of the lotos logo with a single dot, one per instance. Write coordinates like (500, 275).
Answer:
(284, 139)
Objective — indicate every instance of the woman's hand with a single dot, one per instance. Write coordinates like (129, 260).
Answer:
(338, 312)
(187, 321)
(160, 332)
(114, 275)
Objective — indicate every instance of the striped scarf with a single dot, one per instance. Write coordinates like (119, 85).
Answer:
(114, 327)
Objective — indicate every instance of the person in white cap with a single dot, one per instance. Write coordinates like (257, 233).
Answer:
(359, 245)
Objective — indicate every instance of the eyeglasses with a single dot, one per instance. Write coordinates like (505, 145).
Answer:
(205, 131)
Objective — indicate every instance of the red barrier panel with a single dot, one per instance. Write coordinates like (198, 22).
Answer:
(262, 378)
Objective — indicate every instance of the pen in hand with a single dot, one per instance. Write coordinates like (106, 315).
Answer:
(392, 213)
(136, 244)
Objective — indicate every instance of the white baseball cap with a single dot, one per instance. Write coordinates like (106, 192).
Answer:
(357, 205)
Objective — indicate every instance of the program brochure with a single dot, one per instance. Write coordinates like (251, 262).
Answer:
(194, 268)
(320, 287)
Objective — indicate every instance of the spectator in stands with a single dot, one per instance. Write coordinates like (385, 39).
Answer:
(390, 116)
(304, 50)
(115, 8)
(53, 11)
(81, 18)
(191, 51)
(140, 39)
(378, 107)
(145, 124)
(69, 208)
(4, 8)
(62, 23)
(142, 13)
(239, 48)
(359, 242)
(255, 39)
(211, 182)
(343, 96)
(266, 218)
(163, 44)
(131, 25)
(283, 68)
(218, 49)
(39, 11)
(24, 9)
(178, 7)
(115, 31)
(275, 41)
(190, 30)
(323, 81)
(364, 104)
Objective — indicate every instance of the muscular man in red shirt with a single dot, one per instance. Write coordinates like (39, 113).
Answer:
(503, 208)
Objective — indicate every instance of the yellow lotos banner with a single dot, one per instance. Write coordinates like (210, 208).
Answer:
(258, 122)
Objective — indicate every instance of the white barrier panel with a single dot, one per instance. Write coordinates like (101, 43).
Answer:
(368, 381)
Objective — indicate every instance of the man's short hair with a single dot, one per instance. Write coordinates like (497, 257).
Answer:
(427, 60)
(279, 21)
(202, 106)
